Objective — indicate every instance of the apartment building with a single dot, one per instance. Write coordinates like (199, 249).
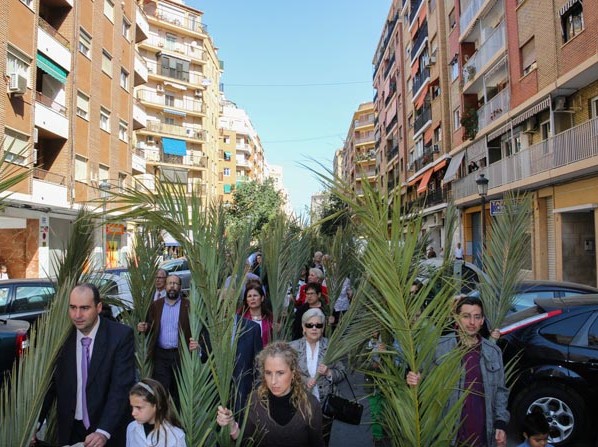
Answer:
(276, 173)
(510, 91)
(179, 141)
(411, 105)
(241, 156)
(358, 153)
(69, 70)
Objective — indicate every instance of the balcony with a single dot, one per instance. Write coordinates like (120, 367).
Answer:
(494, 109)
(394, 151)
(138, 161)
(469, 14)
(50, 115)
(49, 188)
(141, 25)
(186, 104)
(190, 23)
(561, 151)
(365, 121)
(415, 4)
(366, 173)
(389, 65)
(366, 156)
(140, 69)
(193, 78)
(390, 125)
(192, 133)
(139, 115)
(243, 147)
(494, 44)
(369, 138)
(420, 120)
(53, 44)
(431, 198)
(420, 38)
(193, 51)
(420, 79)
(156, 155)
(390, 183)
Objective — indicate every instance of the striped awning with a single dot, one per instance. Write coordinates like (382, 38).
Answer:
(532, 111)
(50, 67)
(453, 167)
(568, 6)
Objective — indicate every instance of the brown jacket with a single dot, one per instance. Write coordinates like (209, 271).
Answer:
(154, 318)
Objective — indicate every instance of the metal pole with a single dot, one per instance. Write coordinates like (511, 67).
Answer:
(483, 232)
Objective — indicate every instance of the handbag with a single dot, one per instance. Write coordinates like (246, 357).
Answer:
(341, 409)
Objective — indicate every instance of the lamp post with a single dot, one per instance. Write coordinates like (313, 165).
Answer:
(105, 189)
(482, 183)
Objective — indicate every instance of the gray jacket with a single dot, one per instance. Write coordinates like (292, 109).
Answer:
(496, 394)
(336, 369)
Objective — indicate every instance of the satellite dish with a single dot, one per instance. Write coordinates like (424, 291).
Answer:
(206, 82)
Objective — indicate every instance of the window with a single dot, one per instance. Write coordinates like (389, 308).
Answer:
(227, 139)
(122, 130)
(122, 178)
(104, 119)
(32, 298)
(454, 69)
(226, 172)
(109, 10)
(572, 21)
(171, 122)
(451, 17)
(83, 105)
(80, 169)
(84, 43)
(16, 146)
(227, 189)
(28, 3)
(457, 118)
(170, 42)
(126, 29)
(528, 57)
(106, 63)
(124, 79)
(169, 100)
(594, 107)
(174, 68)
(17, 62)
(103, 173)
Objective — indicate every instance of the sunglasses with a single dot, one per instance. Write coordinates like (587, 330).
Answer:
(314, 325)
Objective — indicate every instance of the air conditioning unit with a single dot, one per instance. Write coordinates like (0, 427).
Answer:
(560, 103)
(432, 60)
(530, 125)
(160, 87)
(436, 148)
(17, 85)
(198, 93)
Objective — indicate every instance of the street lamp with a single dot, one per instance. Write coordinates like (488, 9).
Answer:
(482, 183)
(105, 189)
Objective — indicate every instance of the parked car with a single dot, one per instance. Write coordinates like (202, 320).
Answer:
(25, 299)
(470, 274)
(180, 268)
(556, 343)
(13, 341)
(528, 290)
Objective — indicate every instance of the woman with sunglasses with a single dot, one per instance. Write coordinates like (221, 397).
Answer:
(311, 349)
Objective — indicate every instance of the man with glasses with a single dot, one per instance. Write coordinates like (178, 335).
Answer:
(160, 283)
(166, 317)
(484, 416)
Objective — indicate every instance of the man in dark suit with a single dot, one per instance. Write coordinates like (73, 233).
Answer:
(92, 400)
(166, 318)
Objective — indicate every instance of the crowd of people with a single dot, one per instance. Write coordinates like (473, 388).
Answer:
(280, 385)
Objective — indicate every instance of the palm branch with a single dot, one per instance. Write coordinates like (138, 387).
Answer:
(504, 257)
(23, 396)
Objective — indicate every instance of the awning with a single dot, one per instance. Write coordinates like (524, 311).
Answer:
(169, 241)
(175, 112)
(49, 66)
(173, 175)
(423, 186)
(567, 6)
(440, 165)
(453, 167)
(173, 146)
(532, 111)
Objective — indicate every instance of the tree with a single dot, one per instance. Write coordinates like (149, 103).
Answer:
(254, 205)
(335, 215)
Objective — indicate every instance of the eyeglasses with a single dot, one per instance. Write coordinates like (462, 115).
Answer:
(172, 283)
(314, 325)
(160, 277)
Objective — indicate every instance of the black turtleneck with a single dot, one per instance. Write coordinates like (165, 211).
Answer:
(281, 408)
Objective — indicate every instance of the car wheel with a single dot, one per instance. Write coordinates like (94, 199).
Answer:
(563, 407)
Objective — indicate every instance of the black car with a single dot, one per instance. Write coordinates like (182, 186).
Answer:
(555, 346)
(180, 268)
(25, 299)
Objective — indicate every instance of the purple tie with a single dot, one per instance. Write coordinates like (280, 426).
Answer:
(85, 342)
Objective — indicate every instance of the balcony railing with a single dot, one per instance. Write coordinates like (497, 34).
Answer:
(426, 158)
(50, 177)
(369, 138)
(187, 104)
(492, 45)
(389, 65)
(53, 32)
(193, 51)
(390, 183)
(469, 13)
(369, 155)
(158, 155)
(419, 79)
(392, 153)
(422, 34)
(573, 145)
(179, 76)
(49, 102)
(415, 4)
(494, 109)
(391, 125)
(191, 24)
(173, 129)
(364, 121)
(422, 118)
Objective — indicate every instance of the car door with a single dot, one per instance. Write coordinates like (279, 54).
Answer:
(583, 353)
(5, 298)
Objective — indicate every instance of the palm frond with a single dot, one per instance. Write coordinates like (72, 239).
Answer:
(23, 396)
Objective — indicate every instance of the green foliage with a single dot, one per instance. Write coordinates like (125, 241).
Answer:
(335, 216)
(22, 399)
(254, 205)
(469, 120)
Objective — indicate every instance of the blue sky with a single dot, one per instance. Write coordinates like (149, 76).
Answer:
(270, 47)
